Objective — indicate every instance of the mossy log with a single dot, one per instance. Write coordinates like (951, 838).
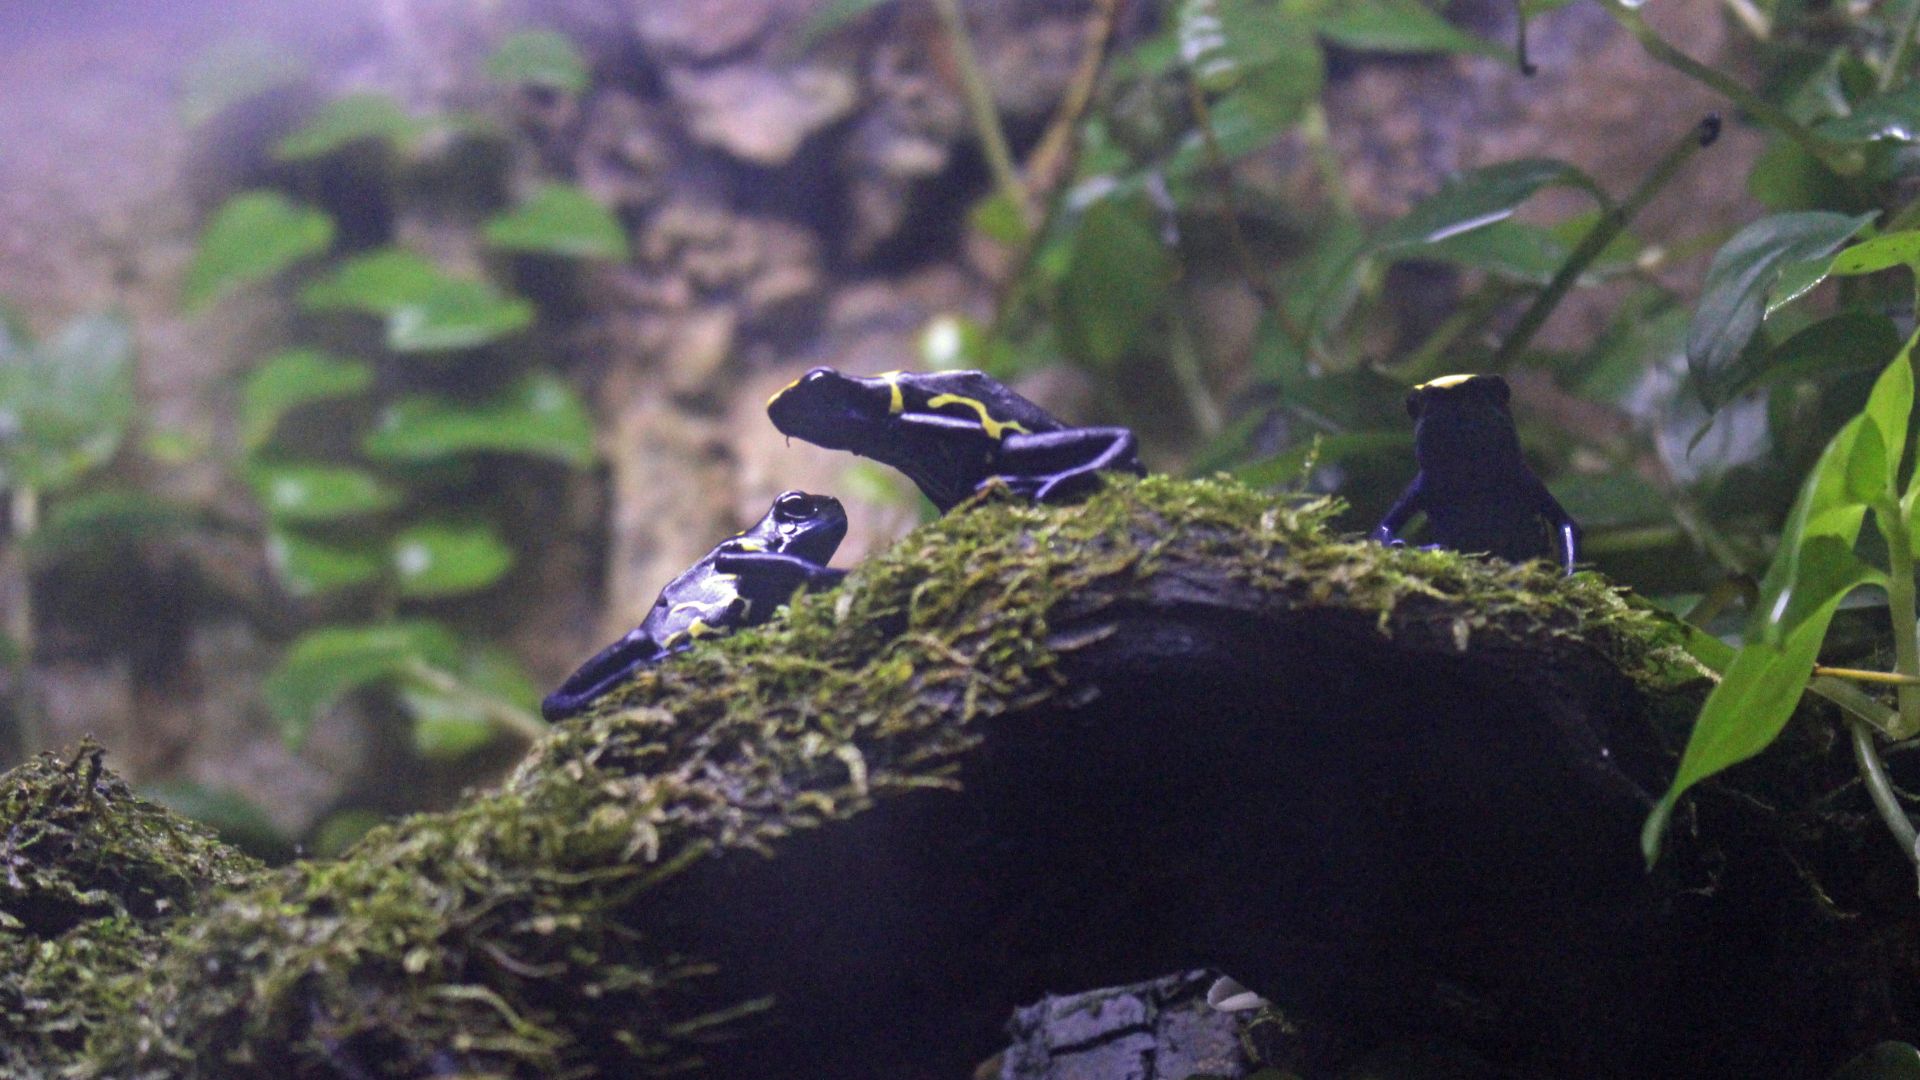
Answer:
(1025, 749)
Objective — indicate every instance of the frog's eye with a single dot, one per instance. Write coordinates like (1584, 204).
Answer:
(817, 375)
(790, 504)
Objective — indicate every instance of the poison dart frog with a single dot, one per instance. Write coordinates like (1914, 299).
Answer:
(952, 433)
(1474, 484)
(737, 584)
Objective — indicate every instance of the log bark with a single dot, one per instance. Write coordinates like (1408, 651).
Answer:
(1028, 749)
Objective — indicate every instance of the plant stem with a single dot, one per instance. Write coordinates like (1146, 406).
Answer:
(1612, 222)
(1185, 357)
(1873, 772)
(23, 519)
(1902, 44)
(1900, 608)
(1884, 678)
(1837, 158)
(1250, 267)
(503, 714)
(980, 107)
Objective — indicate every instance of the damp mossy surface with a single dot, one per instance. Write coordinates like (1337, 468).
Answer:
(511, 935)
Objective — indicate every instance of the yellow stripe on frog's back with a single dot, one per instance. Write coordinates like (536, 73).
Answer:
(994, 428)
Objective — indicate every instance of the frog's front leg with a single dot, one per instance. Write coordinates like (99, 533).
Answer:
(594, 678)
(1388, 531)
(770, 577)
(1052, 466)
(1566, 531)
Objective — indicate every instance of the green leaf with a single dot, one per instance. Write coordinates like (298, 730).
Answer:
(449, 725)
(309, 566)
(65, 403)
(1848, 341)
(233, 71)
(103, 524)
(289, 380)
(459, 314)
(560, 219)
(540, 415)
(1399, 26)
(425, 309)
(1263, 57)
(1513, 250)
(1811, 573)
(1880, 253)
(253, 236)
(445, 558)
(351, 119)
(1117, 280)
(377, 283)
(309, 492)
(539, 58)
(1745, 713)
(239, 820)
(1892, 117)
(1887, 1061)
(326, 664)
(1477, 199)
(1733, 299)
(1869, 477)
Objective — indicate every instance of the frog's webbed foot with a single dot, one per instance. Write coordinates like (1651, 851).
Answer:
(608, 668)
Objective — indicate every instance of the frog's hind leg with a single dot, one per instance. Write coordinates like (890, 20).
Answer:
(1054, 466)
(599, 675)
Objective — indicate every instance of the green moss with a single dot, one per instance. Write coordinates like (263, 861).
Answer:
(511, 935)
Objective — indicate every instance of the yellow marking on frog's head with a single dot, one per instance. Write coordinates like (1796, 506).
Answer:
(897, 402)
(994, 428)
(1445, 382)
(747, 544)
(696, 605)
(699, 629)
(782, 390)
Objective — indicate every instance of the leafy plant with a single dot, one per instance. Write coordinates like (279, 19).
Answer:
(365, 466)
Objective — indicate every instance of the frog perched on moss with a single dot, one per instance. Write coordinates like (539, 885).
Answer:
(1474, 484)
(952, 433)
(739, 583)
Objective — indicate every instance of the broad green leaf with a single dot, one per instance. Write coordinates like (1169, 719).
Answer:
(340, 831)
(377, 283)
(325, 664)
(1892, 117)
(560, 219)
(448, 725)
(309, 566)
(233, 71)
(1880, 253)
(1480, 198)
(1869, 477)
(1117, 281)
(445, 558)
(1399, 26)
(539, 58)
(1262, 57)
(1811, 573)
(300, 492)
(1887, 1061)
(1757, 695)
(425, 309)
(103, 523)
(457, 314)
(1851, 340)
(253, 236)
(999, 219)
(1511, 249)
(239, 820)
(540, 415)
(1824, 508)
(65, 403)
(1733, 299)
(289, 380)
(351, 119)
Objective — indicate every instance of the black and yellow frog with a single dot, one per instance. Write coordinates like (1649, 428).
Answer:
(952, 433)
(1474, 484)
(739, 583)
